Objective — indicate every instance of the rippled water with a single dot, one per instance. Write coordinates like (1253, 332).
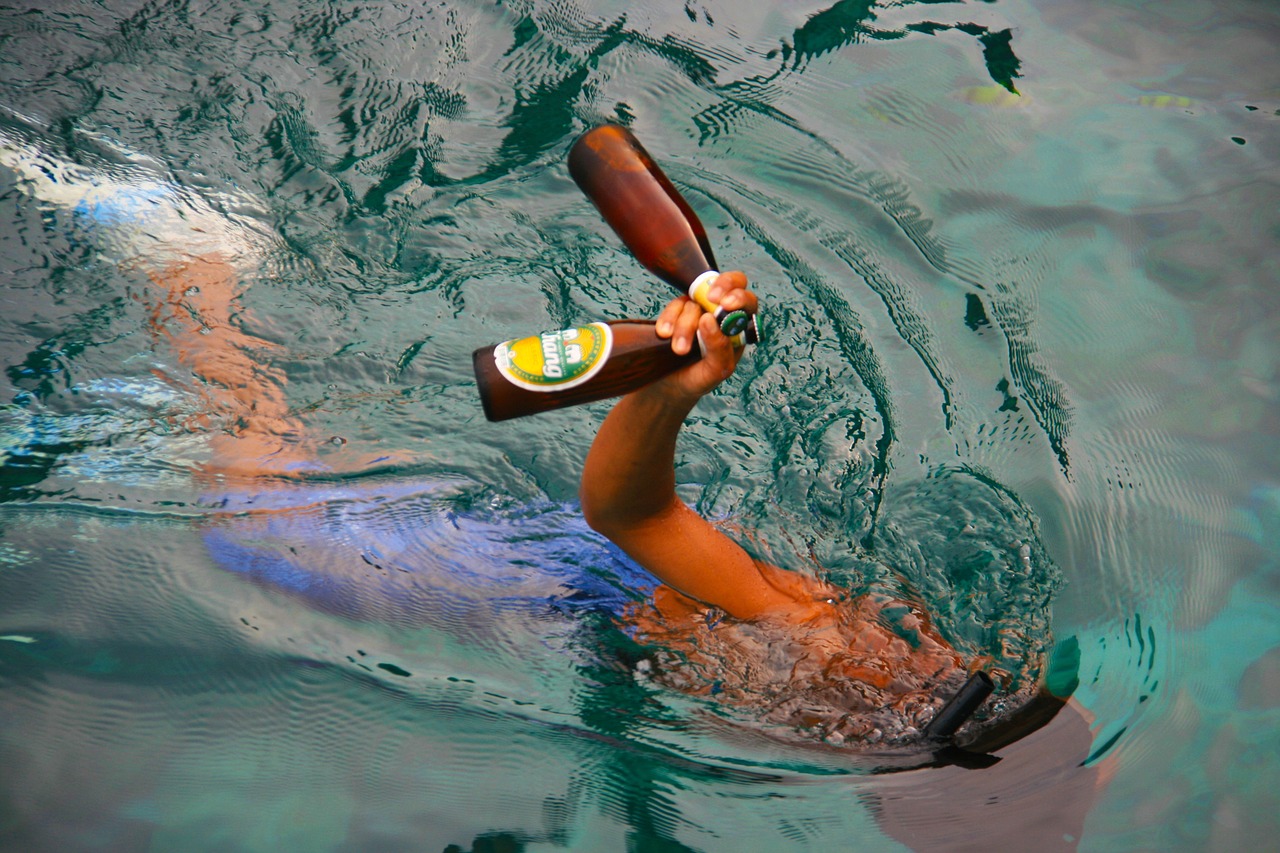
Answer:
(1018, 262)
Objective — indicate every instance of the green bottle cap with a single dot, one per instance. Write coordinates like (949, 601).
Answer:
(733, 322)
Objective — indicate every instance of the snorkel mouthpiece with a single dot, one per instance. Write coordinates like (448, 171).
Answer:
(960, 707)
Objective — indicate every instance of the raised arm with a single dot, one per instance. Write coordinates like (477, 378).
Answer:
(628, 482)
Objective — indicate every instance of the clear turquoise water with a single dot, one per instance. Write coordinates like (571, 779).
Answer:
(1067, 294)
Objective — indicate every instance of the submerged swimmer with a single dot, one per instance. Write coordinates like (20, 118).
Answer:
(795, 650)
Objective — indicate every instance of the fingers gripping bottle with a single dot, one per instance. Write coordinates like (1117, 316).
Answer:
(654, 221)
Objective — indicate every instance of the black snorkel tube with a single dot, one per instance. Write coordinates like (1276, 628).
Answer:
(1062, 678)
(951, 716)
(960, 707)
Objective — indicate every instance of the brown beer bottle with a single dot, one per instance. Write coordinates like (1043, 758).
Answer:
(572, 366)
(654, 221)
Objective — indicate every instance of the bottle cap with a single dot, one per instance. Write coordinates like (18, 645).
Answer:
(733, 322)
(750, 333)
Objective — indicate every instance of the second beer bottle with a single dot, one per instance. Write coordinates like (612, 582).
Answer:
(573, 366)
(654, 221)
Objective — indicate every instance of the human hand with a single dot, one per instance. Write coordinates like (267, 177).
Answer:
(683, 321)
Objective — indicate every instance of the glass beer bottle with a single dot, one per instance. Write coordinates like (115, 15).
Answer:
(654, 221)
(572, 366)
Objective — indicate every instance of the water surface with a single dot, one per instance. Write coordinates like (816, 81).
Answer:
(1018, 260)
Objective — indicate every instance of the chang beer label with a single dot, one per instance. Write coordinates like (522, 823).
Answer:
(554, 361)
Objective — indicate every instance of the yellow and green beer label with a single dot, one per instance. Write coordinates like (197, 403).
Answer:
(554, 361)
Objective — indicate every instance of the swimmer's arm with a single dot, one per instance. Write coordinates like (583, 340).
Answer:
(628, 482)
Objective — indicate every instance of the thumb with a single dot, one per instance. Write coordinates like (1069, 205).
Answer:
(717, 350)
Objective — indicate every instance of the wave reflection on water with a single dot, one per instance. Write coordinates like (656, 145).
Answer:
(972, 226)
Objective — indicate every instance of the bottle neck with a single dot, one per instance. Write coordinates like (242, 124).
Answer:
(699, 287)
